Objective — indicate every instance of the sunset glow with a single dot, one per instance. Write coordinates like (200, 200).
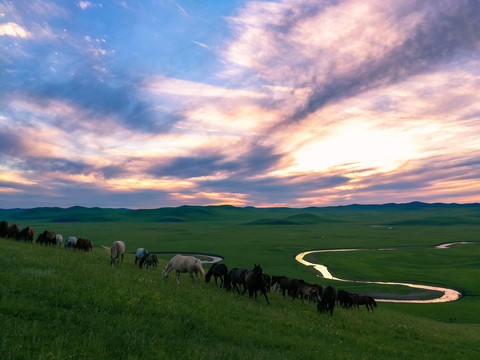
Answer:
(249, 103)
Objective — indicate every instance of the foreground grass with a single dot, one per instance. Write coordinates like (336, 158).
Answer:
(61, 304)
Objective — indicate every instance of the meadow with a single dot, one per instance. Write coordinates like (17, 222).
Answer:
(57, 303)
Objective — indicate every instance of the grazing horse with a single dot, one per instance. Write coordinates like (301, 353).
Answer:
(140, 254)
(13, 231)
(26, 234)
(71, 242)
(235, 278)
(47, 238)
(218, 271)
(366, 300)
(59, 239)
(149, 260)
(183, 264)
(117, 250)
(84, 244)
(286, 284)
(3, 229)
(308, 292)
(254, 281)
(329, 297)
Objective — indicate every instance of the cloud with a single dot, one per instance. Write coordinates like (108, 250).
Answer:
(349, 47)
(14, 30)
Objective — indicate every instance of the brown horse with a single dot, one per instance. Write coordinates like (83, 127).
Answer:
(286, 284)
(12, 231)
(47, 238)
(149, 260)
(26, 234)
(84, 244)
(368, 301)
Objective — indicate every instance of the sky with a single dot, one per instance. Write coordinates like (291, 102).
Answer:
(148, 104)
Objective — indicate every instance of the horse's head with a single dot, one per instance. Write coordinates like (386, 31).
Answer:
(257, 269)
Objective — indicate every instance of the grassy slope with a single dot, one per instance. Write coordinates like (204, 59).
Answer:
(60, 304)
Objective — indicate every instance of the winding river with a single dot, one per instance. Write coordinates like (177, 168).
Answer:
(448, 294)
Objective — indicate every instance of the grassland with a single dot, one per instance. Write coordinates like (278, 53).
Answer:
(61, 304)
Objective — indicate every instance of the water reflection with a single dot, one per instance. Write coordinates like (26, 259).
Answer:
(448, 294)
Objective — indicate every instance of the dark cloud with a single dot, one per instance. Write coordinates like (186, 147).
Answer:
(119, 101)
(257, 160)
(11, 143)
(275, 189)
(112, 171)
(52, 164)
(188, 166)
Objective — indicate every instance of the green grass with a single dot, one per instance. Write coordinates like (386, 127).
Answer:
(61, 304)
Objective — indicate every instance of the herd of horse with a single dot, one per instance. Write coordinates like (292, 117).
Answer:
(47, 237)
(241, 280)
(255, 280)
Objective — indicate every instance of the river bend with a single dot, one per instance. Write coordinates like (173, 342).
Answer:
(448, 294)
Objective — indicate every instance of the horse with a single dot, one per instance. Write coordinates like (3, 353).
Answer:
(286, 284)
(13, 231)
(71, 242)
(366, 300)
(218, 271)
(346, 300)
(254, 281)
(3, 229)
(235, 278)
(84, 244)
(47, 238)
(58, 239)
(140, 254)
(149, 260)
(308, 292)
(329, 297)
(26, 234)
(183, 264)
(117, 250)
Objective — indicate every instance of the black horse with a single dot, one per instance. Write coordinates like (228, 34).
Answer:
(235, 278)
(329, 297)
(255, 281)
(218, 271)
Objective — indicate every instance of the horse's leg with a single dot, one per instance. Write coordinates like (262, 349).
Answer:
(266, 298)
(177, 276)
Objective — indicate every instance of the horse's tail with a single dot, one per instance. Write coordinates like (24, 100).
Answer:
(200, 268)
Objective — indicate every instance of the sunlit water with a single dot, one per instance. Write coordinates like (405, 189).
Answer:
(448, 294)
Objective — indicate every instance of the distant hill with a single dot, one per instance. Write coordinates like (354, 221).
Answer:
(414, 213)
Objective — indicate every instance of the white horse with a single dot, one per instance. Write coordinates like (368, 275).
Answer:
(117, 250)
(183, 264)
(59, 239)
(71, 241)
